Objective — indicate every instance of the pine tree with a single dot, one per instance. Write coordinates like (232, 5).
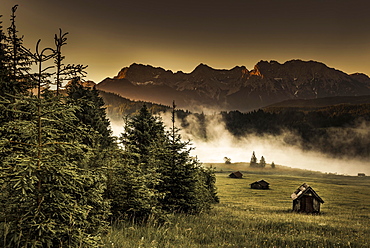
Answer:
(64, 72)
(253, 162)
(273, 165)
(131, 190)
(49, 198)
(45, 179)
(4, 73)
(91, 112)
(134, 180)
(157, 172)
(143, 133)
(14, 66)
(186, 185)
(209, 179)
(18, 62)
(262, 162)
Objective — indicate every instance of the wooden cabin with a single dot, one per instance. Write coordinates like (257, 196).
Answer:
(306, 200)
(261, 184)
(236, 174)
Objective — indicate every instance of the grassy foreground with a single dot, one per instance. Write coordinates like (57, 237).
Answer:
(262, 218)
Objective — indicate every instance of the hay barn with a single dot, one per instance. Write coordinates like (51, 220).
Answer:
(306, 200)
(261, 184)
(236, 174)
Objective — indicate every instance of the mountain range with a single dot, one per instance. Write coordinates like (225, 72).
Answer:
(236, 89)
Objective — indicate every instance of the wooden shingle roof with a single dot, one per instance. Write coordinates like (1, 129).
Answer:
(261, 182)
(305, 189)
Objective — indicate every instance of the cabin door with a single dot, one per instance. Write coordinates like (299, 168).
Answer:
(307, 204)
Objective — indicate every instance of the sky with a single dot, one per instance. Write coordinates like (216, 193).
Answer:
(178, 35)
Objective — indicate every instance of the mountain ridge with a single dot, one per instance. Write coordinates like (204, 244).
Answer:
(237, 88)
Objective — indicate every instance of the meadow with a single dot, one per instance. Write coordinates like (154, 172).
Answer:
(248, 217)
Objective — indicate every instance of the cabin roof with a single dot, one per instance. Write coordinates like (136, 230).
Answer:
(261, 182)
(304, 189)
(237, 174)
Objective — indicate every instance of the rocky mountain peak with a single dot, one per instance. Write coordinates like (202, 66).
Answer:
(122, 73)
(363, 78)
(201, 68)
(205, 71)
(236, 88)
(295, 69)
(142, 73)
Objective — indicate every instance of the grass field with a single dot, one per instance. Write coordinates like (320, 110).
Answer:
(262, 218)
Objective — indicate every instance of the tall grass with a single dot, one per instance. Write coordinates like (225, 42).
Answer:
(262, 218)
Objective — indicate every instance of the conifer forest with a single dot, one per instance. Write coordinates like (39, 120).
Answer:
(64, 177)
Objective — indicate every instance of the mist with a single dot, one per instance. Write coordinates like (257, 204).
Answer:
(220, 143)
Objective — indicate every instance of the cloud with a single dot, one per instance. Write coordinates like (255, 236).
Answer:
(117, 127)
(219, 143)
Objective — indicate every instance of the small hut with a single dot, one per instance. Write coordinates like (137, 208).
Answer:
(261, 184)
(306, 200)
(236, 174)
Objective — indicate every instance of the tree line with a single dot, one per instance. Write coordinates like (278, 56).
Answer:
(64, 178)
(261, 164)
(336, 130)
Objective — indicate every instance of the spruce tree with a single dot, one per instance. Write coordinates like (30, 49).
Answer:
(131, 190)
(45, 179)
(14, 66)
(91, 112)
(18, 62)
(4, 73)
(158, 174)
(134, 180)
(49, 198)
(273, 165)
(186, 185)
(143, 133)
(64, 72)
(253, 162)
(262, 162)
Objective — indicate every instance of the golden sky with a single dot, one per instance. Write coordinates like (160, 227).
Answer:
(178, 35)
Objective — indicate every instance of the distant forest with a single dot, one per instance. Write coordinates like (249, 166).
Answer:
(336, 126)
(339, 130)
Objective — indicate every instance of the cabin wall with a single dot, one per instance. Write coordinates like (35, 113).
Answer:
(296, 205)
(316, 205)
(258, 186)
(306, 205)
(255, 186)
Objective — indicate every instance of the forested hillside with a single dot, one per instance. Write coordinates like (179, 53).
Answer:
(337, 126)
(340, 130)
(117, 106)
(64, 178)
